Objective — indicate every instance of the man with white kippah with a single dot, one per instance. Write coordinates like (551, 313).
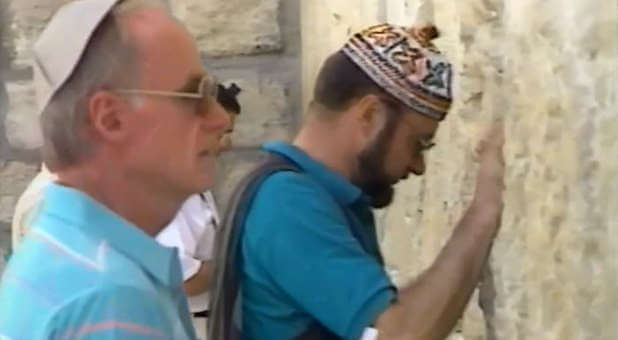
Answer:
(131, 129)
(192, 231)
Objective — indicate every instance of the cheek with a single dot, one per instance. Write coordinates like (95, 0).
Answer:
(395, 161)
(167, 139)
(398, 153)
(147, 135)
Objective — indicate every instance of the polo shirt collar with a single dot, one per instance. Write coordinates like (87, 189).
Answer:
(337, 185)
(94, 219)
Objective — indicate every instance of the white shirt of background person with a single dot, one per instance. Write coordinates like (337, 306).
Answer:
(192, 232)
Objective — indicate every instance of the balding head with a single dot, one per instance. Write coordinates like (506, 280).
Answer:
(109, 60)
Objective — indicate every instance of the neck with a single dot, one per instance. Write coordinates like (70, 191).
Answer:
(134, 201)
(322, 141)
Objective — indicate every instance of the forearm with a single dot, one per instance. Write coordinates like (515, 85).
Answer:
(200, 282)
(430, 307)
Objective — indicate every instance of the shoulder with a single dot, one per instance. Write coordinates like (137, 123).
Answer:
(288, 194)
(290, 184)
(290, 206)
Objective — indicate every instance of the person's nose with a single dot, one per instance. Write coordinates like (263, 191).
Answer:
(216, 119)
(418, 165)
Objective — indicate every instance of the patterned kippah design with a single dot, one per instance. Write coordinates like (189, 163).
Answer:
(406, 64)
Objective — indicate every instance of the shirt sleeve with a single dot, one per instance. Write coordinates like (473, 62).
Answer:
(297, 233)
(189, 265)
(114, 313)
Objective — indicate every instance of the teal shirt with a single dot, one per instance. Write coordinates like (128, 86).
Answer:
(83, 272)
(310, 255)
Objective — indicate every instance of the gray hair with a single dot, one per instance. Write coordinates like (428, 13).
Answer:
(109, 61)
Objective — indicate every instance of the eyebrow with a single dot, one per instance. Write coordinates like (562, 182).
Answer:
(192, 84)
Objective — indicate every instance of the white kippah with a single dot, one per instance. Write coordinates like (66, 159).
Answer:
(61, 45)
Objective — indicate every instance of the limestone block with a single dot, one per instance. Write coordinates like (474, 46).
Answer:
(22, 121)
(220, 27)
(326, 25)
(6, 42)
(29, 20)
(231, 27)
(14, 178)
(265, 112)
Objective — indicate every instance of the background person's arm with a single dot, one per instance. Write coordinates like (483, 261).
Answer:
(200, 282)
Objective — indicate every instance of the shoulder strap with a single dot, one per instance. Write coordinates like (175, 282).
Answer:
(317, 332)
(226, 278)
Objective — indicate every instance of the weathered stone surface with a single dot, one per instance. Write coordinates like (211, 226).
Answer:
(220, 27)
(232, 27)
(553, 269)
(22, 121)
(325, 27)
(29, 20)
(265, 115)
(6, 41)
(14, 178)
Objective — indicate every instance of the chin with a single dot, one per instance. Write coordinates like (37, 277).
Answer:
(193, 183)
(205, 184)
(383, 198)
(205, 173)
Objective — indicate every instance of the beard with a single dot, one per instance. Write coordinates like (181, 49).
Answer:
(371, 177)
(373, 182)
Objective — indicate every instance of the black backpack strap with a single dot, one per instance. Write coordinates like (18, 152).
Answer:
(317, 332)
(226, 279)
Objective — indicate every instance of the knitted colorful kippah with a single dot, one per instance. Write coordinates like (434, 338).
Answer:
(406, 64)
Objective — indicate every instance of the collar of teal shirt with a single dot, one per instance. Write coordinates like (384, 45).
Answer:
(337, 185)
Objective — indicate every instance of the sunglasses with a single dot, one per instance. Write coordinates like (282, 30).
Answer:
(207, 90)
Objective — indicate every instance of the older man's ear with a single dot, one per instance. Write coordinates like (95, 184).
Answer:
(109, 116)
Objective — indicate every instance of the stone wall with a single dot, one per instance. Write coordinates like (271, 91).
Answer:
(255, 43)
(549, 69)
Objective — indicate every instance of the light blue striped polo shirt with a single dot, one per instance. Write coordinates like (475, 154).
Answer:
(83, 272)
